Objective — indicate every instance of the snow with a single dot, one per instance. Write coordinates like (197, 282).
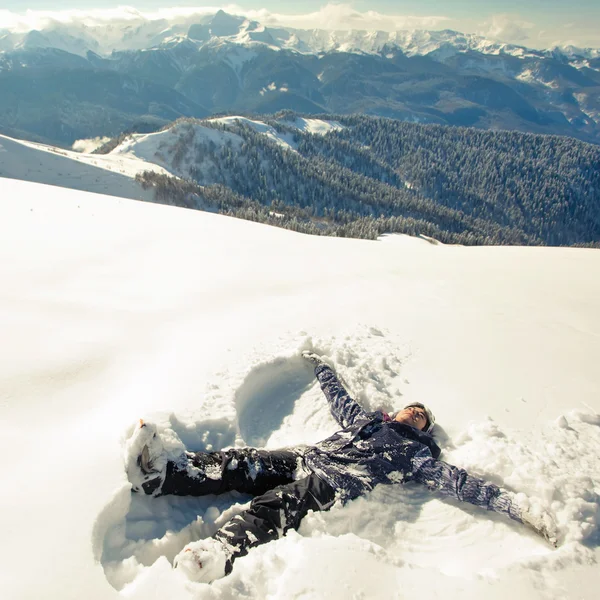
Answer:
(114, 310)
(584, 99)
(111, 174)
(571, 51)
(162, 147)
(528, 76)
(443, 44)
(316, 126)
(285, 140)
(238, 57)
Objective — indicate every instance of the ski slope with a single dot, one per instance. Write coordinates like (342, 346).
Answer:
(113, 310)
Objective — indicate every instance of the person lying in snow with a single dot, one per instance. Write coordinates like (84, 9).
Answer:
(370, 449)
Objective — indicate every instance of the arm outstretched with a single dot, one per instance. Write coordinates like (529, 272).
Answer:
(457, 483)
(344, 409)
(451, 481)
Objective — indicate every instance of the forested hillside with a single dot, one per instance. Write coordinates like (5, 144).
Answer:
(376, 175)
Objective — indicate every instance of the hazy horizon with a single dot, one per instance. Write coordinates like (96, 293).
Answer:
(537, 25)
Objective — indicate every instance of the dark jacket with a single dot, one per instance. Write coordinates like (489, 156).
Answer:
(370, 450)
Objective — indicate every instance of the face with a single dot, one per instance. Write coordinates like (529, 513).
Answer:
(413, 416)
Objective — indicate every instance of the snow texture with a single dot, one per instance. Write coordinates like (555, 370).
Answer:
(202, 561)
(115, 310)
(316, 126)
(285, 140)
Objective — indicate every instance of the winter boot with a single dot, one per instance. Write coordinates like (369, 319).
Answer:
(204, 561)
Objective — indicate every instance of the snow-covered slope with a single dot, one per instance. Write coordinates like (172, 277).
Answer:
(112, 310)
(283, 140)
(112, 174)
(316, 126)
(184, 149)
(176, 149)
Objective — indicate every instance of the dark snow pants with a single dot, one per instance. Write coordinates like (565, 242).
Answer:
(280, 502)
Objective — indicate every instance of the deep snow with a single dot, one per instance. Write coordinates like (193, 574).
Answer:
(115, 310)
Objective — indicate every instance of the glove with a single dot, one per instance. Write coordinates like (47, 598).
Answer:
(542, 523)
(315, 359)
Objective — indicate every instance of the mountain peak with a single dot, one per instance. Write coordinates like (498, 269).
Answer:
(224, 24)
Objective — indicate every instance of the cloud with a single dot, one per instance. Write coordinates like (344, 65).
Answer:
(330, 16)
(344, 17)
(89, 145)
(506, 28)
(38, 19)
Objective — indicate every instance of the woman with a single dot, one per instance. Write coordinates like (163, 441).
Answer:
(370, 449)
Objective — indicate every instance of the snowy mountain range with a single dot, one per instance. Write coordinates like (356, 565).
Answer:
(132, 34)
(71, 81)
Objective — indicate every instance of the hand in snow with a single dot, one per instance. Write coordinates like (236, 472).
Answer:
(312, 357)
(202, 561)
(542, 523)
(145, 458)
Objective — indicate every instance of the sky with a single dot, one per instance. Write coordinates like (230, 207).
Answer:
(536, 24)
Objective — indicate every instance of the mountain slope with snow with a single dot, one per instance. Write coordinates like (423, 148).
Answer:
(114, 310)
(103, 174)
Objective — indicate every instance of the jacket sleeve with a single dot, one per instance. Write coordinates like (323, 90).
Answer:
(344, 409)
(457, 483)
